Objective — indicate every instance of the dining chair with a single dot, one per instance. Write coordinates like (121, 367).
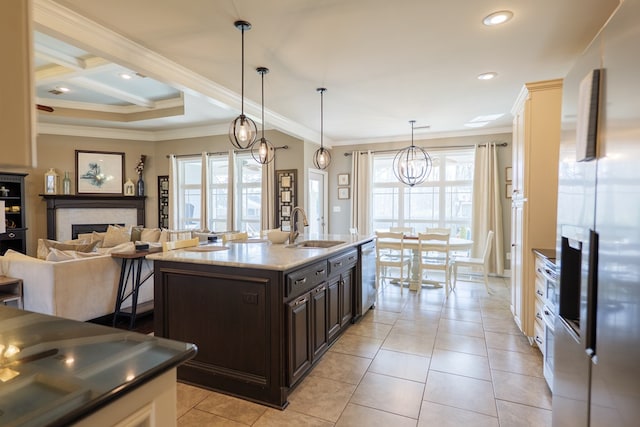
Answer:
(435, 256)
(390, 253)
(482, 263)
(406, 230)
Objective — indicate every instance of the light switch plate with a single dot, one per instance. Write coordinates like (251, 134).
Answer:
(336, 208)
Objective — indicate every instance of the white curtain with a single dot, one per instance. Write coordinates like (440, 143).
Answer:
(230, 191)
(173, 192)
(361, 197)
(204, 194)
(487, 206)
(267, 216)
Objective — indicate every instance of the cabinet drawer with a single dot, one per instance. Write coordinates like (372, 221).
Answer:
(538, 337)
(541, 288)
(12, 234)
(302, 280)
(539, 312)
(343, 261)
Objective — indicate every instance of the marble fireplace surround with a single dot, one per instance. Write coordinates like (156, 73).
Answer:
(63, 211)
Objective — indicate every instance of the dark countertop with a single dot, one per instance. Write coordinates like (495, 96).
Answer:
(549, 254)
(56, 371)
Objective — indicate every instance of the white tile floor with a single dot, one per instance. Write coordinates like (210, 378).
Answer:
(416, 360)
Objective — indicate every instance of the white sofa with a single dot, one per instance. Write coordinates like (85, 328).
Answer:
(79, 289)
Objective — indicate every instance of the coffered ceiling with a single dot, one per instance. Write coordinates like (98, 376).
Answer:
(383, 63)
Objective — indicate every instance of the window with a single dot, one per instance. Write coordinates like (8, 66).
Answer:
(189, 190)
(443, 200)
(247, 190)
(218, 193)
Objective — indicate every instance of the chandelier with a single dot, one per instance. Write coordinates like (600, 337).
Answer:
(412, 164)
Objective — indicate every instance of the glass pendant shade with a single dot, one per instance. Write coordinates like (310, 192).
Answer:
(243, 131)
(412, 164)
(262, 150)
(322, 157)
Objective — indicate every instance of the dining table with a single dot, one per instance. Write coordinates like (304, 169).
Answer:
(411, 242)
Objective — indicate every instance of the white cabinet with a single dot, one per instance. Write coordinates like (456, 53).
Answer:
(536, 141)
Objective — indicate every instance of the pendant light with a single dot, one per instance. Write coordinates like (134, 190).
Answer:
(262, 150)
(322, 157)
(243, 130)
(412, 164)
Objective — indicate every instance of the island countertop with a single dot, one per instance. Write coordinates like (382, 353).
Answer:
(260, 253)
(57, 371)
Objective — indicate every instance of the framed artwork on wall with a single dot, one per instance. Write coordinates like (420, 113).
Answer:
(343, 179)
(343, 192)
(99, 172)
(286, 195)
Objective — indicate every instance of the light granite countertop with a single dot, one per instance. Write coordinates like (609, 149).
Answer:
(260, 253)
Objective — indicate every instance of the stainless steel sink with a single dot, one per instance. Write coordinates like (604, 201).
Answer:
(309, 244)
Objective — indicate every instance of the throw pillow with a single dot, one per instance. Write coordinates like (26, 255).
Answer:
(45, 245)
(136, 232)
(149, 235)
(114, 236)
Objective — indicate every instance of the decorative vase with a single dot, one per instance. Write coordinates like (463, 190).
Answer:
(140, 186)
(66, 184)
(129, 188)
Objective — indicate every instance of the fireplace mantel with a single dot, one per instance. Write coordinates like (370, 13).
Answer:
(93, 201)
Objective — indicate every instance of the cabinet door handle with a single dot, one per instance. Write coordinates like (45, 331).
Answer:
(300, 301)
(352, 258)
(538, 340)
(538, 315)
(321, 289)
(320, 272)
(539, 292)
(300, 281)
(337, 264)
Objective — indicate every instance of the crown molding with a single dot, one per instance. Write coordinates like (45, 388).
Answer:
(430, 135)
(60, 22)
(94, 132)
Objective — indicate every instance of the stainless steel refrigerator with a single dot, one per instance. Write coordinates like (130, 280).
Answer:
(596, 378)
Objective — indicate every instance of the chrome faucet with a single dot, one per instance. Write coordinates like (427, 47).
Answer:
(293, 232)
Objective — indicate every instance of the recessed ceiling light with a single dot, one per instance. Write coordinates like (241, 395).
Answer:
(487, 117)
(125, 76)
(487, 76)
(497, 18)
(63, 89)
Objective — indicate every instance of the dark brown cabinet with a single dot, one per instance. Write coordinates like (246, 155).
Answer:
(12, 194)
(320, 339)
(299, 322)
(333, 308)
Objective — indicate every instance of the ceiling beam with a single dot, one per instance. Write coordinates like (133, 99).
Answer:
(52, 55)
(112, 92)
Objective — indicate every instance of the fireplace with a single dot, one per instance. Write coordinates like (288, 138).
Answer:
(63, 212)
(88, 228)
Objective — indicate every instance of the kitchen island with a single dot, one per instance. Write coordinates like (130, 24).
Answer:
(261, 314)
(60, 372)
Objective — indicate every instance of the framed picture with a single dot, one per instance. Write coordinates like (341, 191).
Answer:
(343, 179)
(508, 190)
(343, 193)
(285, 191)
(508, 174)
(99, 172)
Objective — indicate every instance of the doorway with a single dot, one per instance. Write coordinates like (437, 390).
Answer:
(318, 210)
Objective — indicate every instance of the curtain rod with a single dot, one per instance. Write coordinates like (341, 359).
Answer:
(501, 144)
(215, 153)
